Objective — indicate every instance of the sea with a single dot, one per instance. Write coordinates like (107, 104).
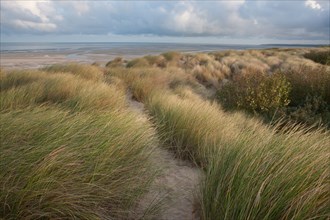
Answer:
(131, 48)
(35, 55)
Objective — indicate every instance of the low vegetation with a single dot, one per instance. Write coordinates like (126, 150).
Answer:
(251, 171)
(73, 147)
(322, 57)
(70, 149)
(256, 92)
(85, 71)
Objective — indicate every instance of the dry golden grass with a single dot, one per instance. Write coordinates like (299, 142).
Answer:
(251, 170)
(85, 71)
(21, 90)
(59, 165)
(72, 148)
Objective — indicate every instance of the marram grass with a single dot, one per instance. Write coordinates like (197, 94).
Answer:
(72, 149)
(59, 165)
(252, 171)
(84, 71)
(19, 91)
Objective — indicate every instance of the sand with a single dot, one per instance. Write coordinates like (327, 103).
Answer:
(176, 188)
(33, 60)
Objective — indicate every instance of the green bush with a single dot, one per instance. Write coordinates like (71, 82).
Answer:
(309, 96)
(322, 57)
(256, 92)
(307, 81)
(300, 95)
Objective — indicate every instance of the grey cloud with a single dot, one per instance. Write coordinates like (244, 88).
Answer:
(271, 19)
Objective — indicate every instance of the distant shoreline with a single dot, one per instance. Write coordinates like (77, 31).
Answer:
(153, 46)
(35, 55)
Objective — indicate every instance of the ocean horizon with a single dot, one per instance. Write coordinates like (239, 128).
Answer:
(133, 48)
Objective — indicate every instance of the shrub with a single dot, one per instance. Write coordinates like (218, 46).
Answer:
(256, 92)
(310, 95)
(313, 112)
(306, 81)
(322, 57)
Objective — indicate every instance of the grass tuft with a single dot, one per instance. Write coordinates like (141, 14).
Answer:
(85, 71)
(63, 89)
(252, 171)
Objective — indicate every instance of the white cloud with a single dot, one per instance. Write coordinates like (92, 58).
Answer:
(44, 27)
(31, 15)
(225, 18)
(233, 5)
(80, 7)
(313, 4)
(188, 20)
(28, 7)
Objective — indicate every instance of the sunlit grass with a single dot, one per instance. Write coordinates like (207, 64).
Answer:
(60, 165)
(21, 90)
(73, 147)
(70, 148)
(85, 71)
(251, 170)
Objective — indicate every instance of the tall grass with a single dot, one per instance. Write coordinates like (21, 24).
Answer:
(20, 90)
(193, 127)
(85, 71)
(144, 81)
(284, 177)
(117, 62)
(58, 165)
(252, 172)
(72, 149)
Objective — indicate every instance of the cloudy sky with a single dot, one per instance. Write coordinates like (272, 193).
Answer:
(235, 21)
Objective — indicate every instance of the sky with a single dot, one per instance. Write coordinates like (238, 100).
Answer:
(224, 22)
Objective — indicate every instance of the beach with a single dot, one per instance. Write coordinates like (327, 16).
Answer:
(35, 55)
(40, 59)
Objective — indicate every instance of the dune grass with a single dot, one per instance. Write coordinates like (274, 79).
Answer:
(144, 81)
(85, 71)
(20, 90)
(252, 172)
(71, 147)
(83, 166)
(285, 177)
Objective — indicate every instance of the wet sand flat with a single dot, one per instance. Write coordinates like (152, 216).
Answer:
(40, 59)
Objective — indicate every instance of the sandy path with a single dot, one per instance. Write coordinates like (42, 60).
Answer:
(176, 188)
